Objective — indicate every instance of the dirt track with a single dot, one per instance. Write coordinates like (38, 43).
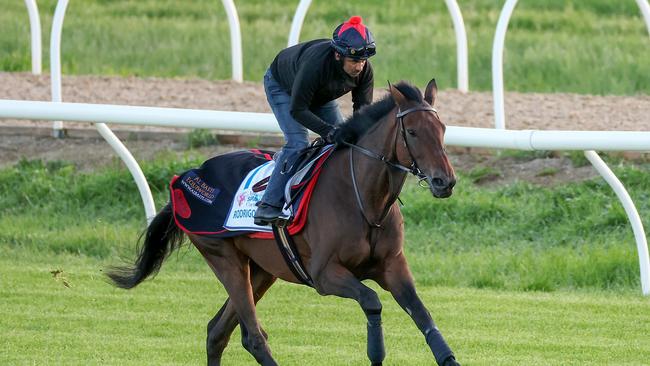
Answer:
(523, 111)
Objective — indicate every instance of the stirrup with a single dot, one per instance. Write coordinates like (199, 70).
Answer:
(281, 222)
(260, 222)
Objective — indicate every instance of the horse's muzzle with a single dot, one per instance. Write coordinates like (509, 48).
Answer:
(441, 186)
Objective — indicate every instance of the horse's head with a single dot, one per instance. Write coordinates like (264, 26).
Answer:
(423, 136)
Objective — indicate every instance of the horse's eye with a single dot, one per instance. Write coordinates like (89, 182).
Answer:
(410, 131)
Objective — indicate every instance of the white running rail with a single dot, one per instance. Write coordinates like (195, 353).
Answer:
(134, 169)
(632, 214)
(645, 11)
(592, 156)
(55, 60)
(265, 122)
(298, 20)
(235, 40)
(497, 63)
(461, 45)
(35, 31)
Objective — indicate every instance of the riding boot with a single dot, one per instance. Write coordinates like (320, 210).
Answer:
(266, 214)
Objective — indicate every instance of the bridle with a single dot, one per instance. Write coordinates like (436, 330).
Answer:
(413, 168)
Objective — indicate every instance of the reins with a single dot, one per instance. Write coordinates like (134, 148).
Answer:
(413, 168)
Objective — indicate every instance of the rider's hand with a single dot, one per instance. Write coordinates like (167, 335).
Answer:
(332, 135)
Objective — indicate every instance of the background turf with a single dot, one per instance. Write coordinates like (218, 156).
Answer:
(595, 46)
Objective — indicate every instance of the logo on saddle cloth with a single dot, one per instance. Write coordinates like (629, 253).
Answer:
(240, 215)
(198, 188)
(240, 199)
(181, 207)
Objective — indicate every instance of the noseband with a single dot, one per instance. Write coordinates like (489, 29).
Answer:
(413, 168)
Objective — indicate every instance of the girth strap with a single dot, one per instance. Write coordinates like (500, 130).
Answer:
(290, 254)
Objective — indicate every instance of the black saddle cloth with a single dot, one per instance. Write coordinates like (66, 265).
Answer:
(201, 197)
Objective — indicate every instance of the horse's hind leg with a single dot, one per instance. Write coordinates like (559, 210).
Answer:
(224, 322)
(232, 268)
(219, 330)
(398, 280)
(337, 280)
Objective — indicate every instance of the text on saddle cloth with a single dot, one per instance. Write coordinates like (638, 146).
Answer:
(202, 196)
(244, 204)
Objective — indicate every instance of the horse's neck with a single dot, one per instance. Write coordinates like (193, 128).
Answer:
(378, 183)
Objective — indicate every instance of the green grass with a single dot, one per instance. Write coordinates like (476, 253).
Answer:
(483, 174)
(595, 46)
(200, 137)
(163, 321)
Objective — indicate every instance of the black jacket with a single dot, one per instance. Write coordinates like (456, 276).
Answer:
(312, 76)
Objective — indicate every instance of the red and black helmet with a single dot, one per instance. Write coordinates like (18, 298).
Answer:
(352, 39)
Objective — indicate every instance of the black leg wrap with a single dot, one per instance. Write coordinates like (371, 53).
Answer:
(376, 350)
(439, 347)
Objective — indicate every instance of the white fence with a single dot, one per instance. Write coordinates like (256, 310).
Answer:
(265, 122)
(35, 31)
(459, 136)
(592, 156)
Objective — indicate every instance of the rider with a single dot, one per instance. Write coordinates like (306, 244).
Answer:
(301, 86)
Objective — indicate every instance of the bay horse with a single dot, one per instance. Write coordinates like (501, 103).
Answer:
(354, 230)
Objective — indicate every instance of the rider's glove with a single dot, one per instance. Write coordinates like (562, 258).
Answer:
(338, 136)
(333, 135)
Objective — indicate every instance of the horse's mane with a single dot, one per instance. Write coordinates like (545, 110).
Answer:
(363, 120)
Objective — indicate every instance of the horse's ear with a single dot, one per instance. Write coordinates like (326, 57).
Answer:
(397, 95)
(430, 92)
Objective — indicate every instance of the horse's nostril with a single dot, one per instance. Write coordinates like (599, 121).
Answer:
(438, 182)
(452, 182)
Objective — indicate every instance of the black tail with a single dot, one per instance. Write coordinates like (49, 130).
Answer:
(160, 240)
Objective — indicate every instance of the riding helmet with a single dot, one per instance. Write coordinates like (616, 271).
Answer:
(353, 39)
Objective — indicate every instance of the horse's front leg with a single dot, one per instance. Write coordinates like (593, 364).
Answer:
(337, 280)
(397, 279)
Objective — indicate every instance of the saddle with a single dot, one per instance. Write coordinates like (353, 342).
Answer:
(305, 156)
(304, 162)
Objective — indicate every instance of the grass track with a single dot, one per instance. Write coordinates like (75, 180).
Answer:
(163, 321)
